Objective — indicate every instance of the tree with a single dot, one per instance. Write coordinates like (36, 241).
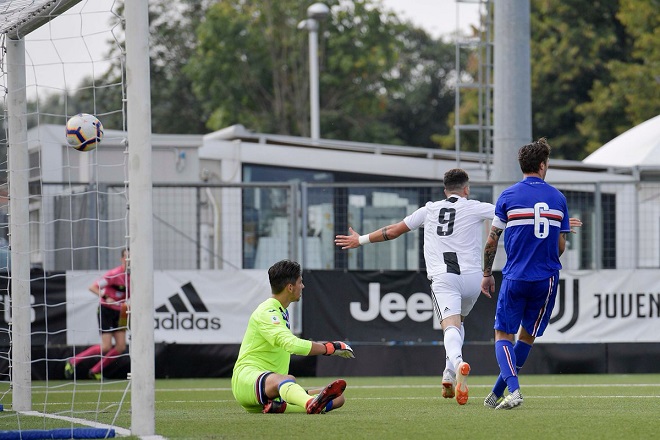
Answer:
(630, 94)
(251, 67)
(248, 65)
(571, 46)
(175, 107)
(419, 111)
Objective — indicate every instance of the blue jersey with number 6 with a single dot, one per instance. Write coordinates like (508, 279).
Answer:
(532, 214)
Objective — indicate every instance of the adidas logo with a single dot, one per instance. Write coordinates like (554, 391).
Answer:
(187, 312)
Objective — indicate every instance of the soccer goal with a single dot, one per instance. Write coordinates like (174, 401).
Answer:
(66, 216)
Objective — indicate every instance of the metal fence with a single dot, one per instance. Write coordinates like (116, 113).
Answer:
(252, 225)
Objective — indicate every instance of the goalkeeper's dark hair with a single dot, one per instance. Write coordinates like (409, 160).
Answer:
(282, 273)
(455, 180)
(531, 156)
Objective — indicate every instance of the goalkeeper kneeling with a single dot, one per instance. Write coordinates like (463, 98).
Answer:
(261, 381)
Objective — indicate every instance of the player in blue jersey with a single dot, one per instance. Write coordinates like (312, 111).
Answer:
(535, 216)
(261, 381)
(453, 230)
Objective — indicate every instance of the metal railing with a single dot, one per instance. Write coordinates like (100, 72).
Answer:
(251, 225)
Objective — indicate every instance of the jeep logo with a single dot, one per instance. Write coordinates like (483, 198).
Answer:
(393, 307)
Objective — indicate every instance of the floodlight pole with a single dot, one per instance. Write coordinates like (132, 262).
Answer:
(314, 80)
(316, 12)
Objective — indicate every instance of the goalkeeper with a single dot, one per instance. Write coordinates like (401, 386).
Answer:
(261, 381)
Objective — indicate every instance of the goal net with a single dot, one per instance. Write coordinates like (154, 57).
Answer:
(65, 220)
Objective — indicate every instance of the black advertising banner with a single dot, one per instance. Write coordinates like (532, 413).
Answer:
(380, 307)
(48, 314)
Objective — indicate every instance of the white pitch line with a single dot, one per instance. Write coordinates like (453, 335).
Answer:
(526, 385)
(118, 430)
(424, 386)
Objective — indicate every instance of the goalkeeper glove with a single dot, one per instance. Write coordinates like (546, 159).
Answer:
(338, 348)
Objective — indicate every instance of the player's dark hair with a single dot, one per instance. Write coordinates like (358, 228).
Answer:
(455, 179)
(282, 273)
(531, 156)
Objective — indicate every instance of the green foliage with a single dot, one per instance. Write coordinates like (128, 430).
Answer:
(420, 110)
(380, 80)
(248, 65)
(594, 70)
(175, 108)
(631, 93)
(216, 63)
(571, 44)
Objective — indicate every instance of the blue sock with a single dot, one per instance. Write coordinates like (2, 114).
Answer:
(328, 406)
(521, 350)
(506, 359)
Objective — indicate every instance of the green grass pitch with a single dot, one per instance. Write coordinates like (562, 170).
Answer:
(555, 406)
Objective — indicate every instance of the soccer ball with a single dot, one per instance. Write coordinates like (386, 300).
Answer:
(84, 132)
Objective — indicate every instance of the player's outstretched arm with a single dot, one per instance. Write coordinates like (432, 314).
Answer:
(350, 241)
(338, 348)
(575, 223)
(333, 348)
(389, 232)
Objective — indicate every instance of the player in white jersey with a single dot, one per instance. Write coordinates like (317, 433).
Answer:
(453, 230)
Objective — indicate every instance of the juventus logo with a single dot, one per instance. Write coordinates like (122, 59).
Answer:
(561, 299)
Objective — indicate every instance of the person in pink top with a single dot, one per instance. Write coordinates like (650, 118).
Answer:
(112, 290)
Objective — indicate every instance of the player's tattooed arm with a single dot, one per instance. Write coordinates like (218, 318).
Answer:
(491, 249)
(384, 232)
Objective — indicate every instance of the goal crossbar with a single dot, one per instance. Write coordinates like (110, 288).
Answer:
(20, 17)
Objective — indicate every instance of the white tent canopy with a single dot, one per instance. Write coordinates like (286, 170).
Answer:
(639, 146)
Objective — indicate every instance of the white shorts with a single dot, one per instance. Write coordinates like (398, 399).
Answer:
(455, 294)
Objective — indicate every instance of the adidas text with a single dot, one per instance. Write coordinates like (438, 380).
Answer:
(186, 322)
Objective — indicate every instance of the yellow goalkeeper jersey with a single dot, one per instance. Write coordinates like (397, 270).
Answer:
(268, 342)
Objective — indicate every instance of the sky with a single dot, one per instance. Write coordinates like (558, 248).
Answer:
(74, 45)
(437, 17)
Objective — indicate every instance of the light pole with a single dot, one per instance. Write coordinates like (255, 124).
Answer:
(315, 13)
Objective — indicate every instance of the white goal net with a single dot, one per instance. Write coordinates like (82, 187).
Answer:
(66, 217)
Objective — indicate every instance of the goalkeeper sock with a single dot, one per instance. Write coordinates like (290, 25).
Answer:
(506, 359)
(521, 349)
(293, 393)
(453, 345)
(290, 409)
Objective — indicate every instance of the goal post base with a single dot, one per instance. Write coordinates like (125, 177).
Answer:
(62, 433)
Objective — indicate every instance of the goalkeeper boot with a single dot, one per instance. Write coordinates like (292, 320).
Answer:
(94, 376)
(317, 404)
(274, 407)
(461, 383)
(491, 400)
(69, 370)
(511, 401)
(448, 384)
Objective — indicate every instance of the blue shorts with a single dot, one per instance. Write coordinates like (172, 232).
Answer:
(526, 303)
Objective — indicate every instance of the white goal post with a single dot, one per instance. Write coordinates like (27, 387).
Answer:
(18, 18)
(140, 216)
